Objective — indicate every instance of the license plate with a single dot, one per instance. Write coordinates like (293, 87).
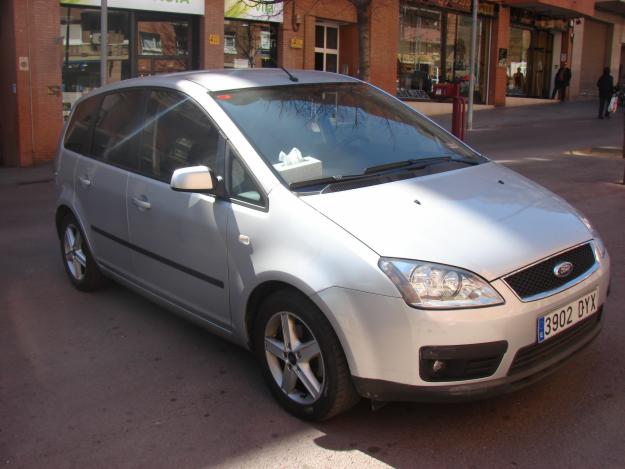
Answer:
(567, 316)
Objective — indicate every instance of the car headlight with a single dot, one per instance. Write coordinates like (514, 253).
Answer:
(600, 250)
(598, 245)
(435, 286)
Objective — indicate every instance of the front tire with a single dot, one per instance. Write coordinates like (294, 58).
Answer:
(301, 358)
(79, 264)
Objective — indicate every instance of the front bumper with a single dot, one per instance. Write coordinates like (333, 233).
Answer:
(380, 390)
(382, 338)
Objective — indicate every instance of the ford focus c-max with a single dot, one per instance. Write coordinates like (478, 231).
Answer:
(354, 246)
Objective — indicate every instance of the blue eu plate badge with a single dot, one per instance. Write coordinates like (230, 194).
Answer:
(541, 329)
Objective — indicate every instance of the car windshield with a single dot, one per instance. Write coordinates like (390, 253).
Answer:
(323, 131)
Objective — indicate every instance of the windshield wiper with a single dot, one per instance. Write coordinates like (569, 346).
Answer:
(372, 171)
(415, 163)
(327, 180)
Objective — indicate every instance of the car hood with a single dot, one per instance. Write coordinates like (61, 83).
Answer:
(486, 218)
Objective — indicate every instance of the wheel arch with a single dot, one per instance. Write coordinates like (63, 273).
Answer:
(61, 212)
(255, 300)
(266, 289)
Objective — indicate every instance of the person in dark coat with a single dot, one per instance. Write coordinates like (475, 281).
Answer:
(562, 80)
(606, 89)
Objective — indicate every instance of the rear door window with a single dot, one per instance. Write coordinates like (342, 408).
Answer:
(77, 135)
(177, 134)
(118, 128)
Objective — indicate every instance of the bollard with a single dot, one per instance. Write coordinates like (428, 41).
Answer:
(458, 117)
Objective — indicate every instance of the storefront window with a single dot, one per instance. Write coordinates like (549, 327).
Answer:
(520, 41)
(162, 47)
(457, 53)
(434, 47)
(249, 44)
(419, 54)
(80, 30)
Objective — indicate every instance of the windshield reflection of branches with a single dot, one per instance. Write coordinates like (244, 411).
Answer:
(346, 106)
(349, 127)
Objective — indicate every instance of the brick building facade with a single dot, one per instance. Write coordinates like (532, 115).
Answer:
(415, 45)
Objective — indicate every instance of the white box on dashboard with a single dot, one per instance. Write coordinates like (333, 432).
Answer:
(307, 168)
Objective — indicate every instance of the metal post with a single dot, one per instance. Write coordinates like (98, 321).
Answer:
(472, 66)
(104, 42)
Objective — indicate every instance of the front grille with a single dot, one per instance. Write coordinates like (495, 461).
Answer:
(540, 277)
(534, 354)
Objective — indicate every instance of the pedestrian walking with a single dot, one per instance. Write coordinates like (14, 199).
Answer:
(562, 80)
(606, 89)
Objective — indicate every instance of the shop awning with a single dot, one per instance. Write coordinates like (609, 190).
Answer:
(557, 8)
(613, 6)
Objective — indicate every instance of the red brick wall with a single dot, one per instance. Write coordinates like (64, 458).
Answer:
(34, 25)
(8, 100)
(384, 42)
(384, 36)
(212, 23)
(287, 56)
(46, 61)
(348, 51)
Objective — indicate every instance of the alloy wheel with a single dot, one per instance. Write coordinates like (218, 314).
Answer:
(294, 358)
(75, 257)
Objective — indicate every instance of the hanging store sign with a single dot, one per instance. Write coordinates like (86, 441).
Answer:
(251, 10)
(190, 7)
(464, 5)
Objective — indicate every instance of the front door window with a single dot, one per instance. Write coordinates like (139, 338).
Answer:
(327, 47)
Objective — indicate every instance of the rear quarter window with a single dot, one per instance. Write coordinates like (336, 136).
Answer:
(118, 128)
(77, 135)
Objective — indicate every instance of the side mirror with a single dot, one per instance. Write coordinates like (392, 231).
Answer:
(194, 179)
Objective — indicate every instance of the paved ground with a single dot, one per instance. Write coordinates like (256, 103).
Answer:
(109, 379)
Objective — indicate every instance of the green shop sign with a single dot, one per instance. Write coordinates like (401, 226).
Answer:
(251, 10)
(192, 7)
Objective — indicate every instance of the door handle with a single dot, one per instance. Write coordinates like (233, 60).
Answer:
(141, 203)
(85, 181)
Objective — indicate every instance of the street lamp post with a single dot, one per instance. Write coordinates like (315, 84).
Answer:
(104, 42)
(472, 66)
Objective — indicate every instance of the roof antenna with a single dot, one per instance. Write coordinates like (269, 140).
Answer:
(291, 76)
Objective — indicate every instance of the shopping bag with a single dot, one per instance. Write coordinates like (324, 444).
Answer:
(613, 104)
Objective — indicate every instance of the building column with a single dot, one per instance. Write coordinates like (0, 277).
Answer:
(614, 50)
(498, 78)
(384, 40)
(566, 50)
(309, 24)
(575, 61)
(291, 37)
(31, 95)
(211, 35)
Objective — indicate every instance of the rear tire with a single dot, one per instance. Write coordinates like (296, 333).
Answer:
(305, 367)
(79, 264)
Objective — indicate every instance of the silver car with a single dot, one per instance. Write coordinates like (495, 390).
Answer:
(355, 247)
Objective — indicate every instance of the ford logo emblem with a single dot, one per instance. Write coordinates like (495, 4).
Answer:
(563, 269)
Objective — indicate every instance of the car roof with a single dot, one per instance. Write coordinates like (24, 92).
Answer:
(231, 79)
